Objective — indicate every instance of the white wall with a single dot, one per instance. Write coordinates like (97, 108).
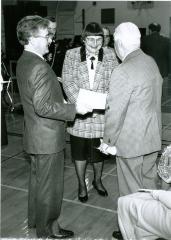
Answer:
(160, 13)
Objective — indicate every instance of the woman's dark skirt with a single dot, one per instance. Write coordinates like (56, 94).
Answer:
(86, 149)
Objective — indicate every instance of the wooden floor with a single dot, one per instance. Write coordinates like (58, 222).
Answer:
(94, 220)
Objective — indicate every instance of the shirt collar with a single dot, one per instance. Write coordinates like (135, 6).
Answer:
(29, 49)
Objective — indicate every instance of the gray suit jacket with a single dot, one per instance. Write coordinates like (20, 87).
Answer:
(44, 109)
(133, 112)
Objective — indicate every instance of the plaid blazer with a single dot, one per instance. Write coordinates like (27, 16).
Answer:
(133, 110)
(75, 76)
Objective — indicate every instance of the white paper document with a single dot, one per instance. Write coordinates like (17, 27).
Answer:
(95, 100)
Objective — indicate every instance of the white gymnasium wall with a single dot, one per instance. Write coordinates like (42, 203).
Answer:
(160, 13)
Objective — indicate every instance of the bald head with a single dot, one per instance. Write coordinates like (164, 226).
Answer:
(127, 38)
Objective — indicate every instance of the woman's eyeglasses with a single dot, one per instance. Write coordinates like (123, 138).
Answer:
(94, 39)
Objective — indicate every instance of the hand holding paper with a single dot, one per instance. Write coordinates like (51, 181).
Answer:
(82, 108)
(93, 99)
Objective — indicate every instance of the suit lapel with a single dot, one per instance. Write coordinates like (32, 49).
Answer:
(99, 70)
(83, 70)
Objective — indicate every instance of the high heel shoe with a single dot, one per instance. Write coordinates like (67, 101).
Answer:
(103, 193)
(82, 190)
(83, 199)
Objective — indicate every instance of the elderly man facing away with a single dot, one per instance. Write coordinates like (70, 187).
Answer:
(133, 112)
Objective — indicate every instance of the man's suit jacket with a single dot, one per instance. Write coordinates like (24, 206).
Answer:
(133, 115)
(75, 76)
(44, 109)
(157, 47)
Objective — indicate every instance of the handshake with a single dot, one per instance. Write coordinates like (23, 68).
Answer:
(83, 108)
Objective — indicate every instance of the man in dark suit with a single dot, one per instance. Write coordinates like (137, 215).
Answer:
(44, 127)
(157, 46)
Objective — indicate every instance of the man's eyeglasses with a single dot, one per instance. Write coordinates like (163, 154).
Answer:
(46, 37)
(51, 28)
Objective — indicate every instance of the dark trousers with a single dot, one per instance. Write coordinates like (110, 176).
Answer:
(45, 192)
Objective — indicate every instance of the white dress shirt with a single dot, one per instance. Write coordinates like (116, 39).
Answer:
(30, 49)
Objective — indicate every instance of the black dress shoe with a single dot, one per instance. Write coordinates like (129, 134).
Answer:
(117, 235)
(83, 199)
(63, 233)
(103, 193)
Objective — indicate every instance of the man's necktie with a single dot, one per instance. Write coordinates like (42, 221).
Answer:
(92, 59)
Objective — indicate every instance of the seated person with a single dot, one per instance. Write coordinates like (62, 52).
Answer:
(147, 215)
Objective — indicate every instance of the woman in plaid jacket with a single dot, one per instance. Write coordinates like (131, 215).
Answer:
(88, 67)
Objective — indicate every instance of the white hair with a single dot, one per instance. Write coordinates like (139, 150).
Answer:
(129, 34)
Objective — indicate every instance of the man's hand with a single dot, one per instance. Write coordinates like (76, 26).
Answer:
(49, 57)
(59, 79)
(82, 108)
(106, 149)
(167, 180)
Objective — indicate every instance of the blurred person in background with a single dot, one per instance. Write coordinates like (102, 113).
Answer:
(106, 34)
(57, 49)
(157, 46)
(52, 47)
(108, 38)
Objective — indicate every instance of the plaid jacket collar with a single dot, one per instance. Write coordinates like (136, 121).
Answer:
(83, 54)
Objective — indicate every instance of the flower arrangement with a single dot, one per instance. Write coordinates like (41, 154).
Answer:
(164, 166)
